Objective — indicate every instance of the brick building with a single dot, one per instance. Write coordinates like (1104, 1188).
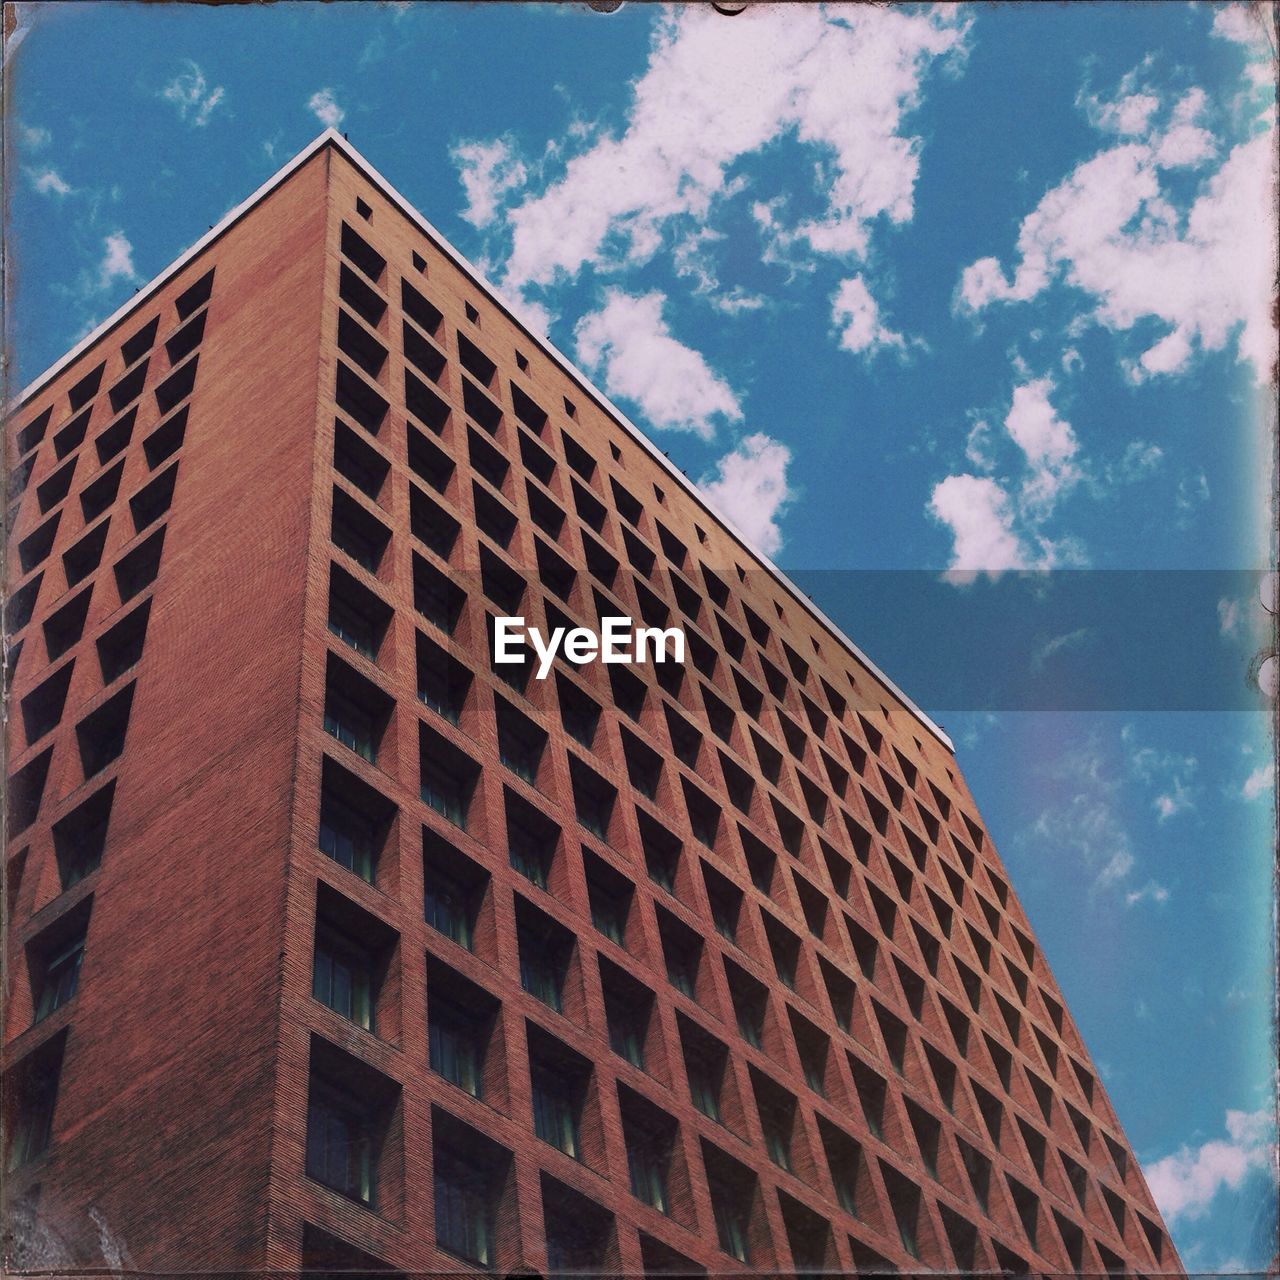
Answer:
(334, 944)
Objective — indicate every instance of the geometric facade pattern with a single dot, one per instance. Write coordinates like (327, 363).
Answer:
(334, 944)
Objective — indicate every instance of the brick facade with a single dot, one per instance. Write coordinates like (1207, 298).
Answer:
(391, 958)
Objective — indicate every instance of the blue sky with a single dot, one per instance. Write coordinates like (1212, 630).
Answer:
(901, 292)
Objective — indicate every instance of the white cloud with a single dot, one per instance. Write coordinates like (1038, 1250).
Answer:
(1229, 617)
(857, 315)
(1113, 229)
(34, 136)
(1187, 1182)
(1047, 442)
(1168, 773)
(117, 260)
(1237, 23)
(713, 92)
(324, 106)
(488, 171)
(1140, 459)
(750, 489)
(642, 362)
(1056, 644)
(49, 182)
(977, 510)
(1260, 781)
(1002, 518)
(1150, 892)
(189, 92)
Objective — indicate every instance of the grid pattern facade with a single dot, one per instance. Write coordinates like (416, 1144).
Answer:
(645, 970)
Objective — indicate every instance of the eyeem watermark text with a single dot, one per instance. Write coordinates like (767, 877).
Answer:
(619, 640)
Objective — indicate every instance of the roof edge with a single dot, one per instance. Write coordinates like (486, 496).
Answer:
(331, 137)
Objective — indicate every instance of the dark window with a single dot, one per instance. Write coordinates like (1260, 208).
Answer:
(448, 777)
(56, 967)
(453, 887)
(101, 734)
(521, 743)
(80, 838)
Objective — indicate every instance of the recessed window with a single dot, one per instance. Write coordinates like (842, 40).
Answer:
(100, 735)
(54, 958)
(34, 432)
(360, 535)
(353, 950)
(750, 1002)
(42, 707)
(349, 1109)
(424, 314)
(153, 501)
(704, 814)
(579, 713)
(425, 405)
(448, 777)
(359, 251)
(177, 386)
(461, 1018)
(423, 354)
(32, 1091)
(165, 440)
(681, 952)
(26, 789)
(52, 491)
(471, 313)
(357, 400)
(469, 1173)
(443, 682)
(431, 524)
(777, 1110)
(609, 895)
(356, 711)
(454, 889)
(488, 463)
(705, 1059)
(86, 388)
(732, 1187)
(537, 461)
(192, 299)
(80, 838)
(532, 840)
(70, 437)
(559, 1080)
(521, 743)
(628, 1007)
(546, 949)
(120, 648)
(357, 617)
(177, 348)
(649, 1136)
(593, 798)
(116, 437)
(354, 821)
(725, 901)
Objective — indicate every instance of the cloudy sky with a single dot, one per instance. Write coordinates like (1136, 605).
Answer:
(973, 290)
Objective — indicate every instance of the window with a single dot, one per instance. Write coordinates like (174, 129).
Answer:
(545, 948)
(559, 1079)
(357, 461)
(704, 1062)
(101, 734)
(347, 834)
(453, 889)
(463, 1207)
(351, 724)
(725, 900)
(578, 1233)
(682, 952)
(609, 894)
(628, 1005)
(520, 742)
(777, 1109)
(648, 1134)
(443, 682)
(579, 714)
(59, 971)
(456, 1044)
(356, 616)
(342, 977)
(31, 1095)
(904, 1199)
(448, 777)
(872, 1089)
(340, 1142)
(732, 1187)
(531, 840)
(80, 837)
(844, 1160)
(750, 1000)
(469, 1172)
(435, 597)
(593, 798)
(357, 533)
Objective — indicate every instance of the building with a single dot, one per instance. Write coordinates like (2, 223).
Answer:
(334, 945)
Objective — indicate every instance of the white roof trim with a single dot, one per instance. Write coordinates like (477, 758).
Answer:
(334, 138)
